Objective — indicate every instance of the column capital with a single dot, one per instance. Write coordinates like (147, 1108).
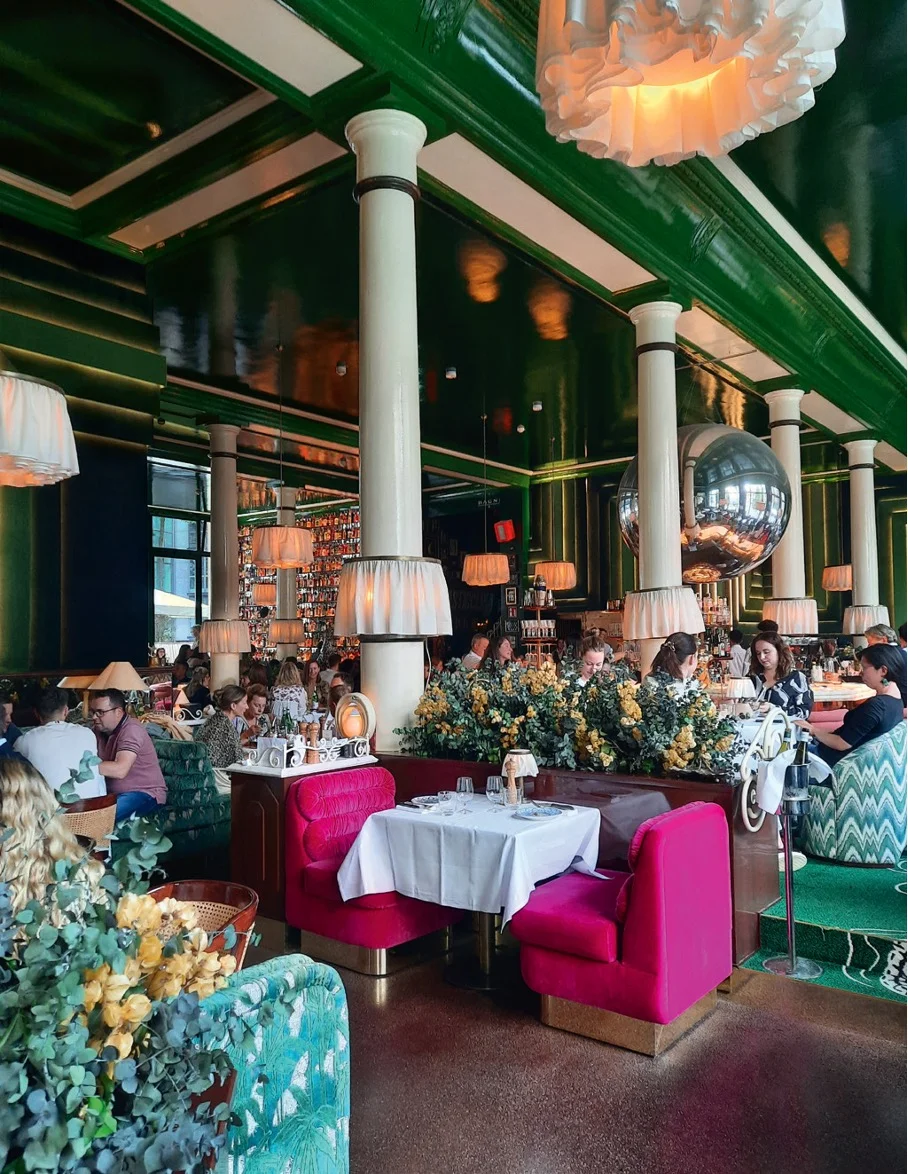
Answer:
(223, 437)
(860, 451)
(784, 405)
(386, 143)
(663, 311)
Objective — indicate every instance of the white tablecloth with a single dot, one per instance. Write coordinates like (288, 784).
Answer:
(483, 860)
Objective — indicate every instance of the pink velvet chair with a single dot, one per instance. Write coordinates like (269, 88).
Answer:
(324, 814)
(828, 719)
(634, 959)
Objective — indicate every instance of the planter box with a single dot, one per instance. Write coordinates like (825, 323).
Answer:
(753, 855)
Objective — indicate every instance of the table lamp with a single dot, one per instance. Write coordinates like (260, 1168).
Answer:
(180, 704)
(120, 674)
(738, 689)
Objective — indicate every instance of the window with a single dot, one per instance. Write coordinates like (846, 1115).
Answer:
(180, 542)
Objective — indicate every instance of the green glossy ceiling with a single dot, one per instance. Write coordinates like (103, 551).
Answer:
(88, 86)
(838, 173)
(512, 332)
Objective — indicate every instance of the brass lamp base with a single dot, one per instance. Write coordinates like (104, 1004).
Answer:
(636, 1035)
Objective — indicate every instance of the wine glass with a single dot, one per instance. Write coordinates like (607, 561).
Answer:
(493, 788)
(464, 791)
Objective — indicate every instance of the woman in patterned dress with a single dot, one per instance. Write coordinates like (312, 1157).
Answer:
(775, 678)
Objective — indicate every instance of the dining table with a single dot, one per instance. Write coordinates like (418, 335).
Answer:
(480, 856)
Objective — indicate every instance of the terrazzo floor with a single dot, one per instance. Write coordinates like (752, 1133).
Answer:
(780, 1078)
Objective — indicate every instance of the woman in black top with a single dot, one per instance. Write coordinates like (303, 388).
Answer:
(775, 678)
(883, 670)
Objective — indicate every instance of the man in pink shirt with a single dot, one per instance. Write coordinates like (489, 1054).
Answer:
(129, 763)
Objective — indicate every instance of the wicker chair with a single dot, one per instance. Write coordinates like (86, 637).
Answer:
(218, 904)
(93, 819)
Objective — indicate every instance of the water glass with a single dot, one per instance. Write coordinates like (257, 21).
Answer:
(494, 785)
(448, 800)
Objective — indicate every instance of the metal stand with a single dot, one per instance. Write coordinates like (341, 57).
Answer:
(790, 964)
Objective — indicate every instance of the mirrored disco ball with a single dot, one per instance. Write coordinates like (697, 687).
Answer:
(735, 502)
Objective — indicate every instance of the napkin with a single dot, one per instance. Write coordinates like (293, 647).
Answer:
(771, 777)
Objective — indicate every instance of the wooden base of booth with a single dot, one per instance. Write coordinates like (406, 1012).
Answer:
(635, 1035)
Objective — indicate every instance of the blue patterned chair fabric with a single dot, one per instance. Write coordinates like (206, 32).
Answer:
(292, 1094)
(861, 817)
(196, 817)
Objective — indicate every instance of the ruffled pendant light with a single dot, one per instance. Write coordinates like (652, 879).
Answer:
(264, 594)
(656, 81)
(282, 547)
(37, 446)
(485, 570)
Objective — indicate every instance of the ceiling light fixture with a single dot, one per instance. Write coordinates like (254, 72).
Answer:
(450, 372)
(521, 428)
(284, 547)
(644, 81)
(537, 405)
(341, 367)
(37, 446)
(485, 570)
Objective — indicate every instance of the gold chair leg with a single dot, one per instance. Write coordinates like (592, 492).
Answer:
(636, 1035)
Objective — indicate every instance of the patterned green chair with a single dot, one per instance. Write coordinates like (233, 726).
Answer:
(196, 818)
(292, 1094)
(861, 817)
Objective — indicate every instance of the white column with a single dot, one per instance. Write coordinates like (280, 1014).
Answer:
(386, 144)
(866, 609)
(663, 605)
(789, 605)
(286, 579)
(224, 577)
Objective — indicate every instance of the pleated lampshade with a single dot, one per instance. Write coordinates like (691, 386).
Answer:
(37, 446)
(859, 618)
(287, 631)
(120, 674)
(837, 578)
(283, 547)
(485, 570)
(264, 594)
(219, 636)
(559, 576)
(795, 617)
(392, 598)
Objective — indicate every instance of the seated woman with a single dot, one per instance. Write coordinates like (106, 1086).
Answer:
(34, 838)
(677, 658)
(198, 690)
(289, 694)
(883, 670)
(311, 678)
(592, 659)
(219, 733)
(775, 678)
(498, 655)
(248, 725)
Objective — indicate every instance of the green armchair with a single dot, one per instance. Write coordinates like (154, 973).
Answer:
(860, 817)
(292, 1094)
(196, 818)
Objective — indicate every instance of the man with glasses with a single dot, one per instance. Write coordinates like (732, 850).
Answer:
(128, 759)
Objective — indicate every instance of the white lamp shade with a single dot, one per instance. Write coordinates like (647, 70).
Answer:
(653, 615)
(287, 631)
(37, 446)
(120, 674)
(403, 597)
(795, 617)
(837, 578)
(218, 636)
(485, 570)
(84, 682)
(281, 546)
(643, 82)
(181, 700)
(739, 689)
(559, 576)
(264, 594)
(524, 763)
(859, 618)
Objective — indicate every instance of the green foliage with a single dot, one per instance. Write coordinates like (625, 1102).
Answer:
(611, 723)
(72, 1101)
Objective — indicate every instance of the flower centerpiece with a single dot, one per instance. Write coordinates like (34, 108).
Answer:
(106, 1047)
(611, 723)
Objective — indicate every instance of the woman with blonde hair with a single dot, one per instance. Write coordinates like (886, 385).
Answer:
(289, 693)
(33, 838)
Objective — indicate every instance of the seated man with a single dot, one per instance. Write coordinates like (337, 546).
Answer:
(478, 646)
(56, 748)
(128, 759)
(9, 733)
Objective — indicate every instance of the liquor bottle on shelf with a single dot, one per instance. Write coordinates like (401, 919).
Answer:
(539, 591)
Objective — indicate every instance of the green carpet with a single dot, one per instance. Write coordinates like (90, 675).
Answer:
(850, 920)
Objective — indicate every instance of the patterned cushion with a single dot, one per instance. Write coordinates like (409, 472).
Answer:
(861, 818)
(292, 1095)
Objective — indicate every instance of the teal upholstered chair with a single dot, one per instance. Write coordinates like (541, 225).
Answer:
(861, 817)
(196, 818)
(297, 1119)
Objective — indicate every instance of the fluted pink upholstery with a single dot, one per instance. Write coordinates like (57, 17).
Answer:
(324, 814)
(649, 944)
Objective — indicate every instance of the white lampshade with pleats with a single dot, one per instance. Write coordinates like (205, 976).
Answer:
(224, 636)
(485, 570)
(399, 597)
(264, 594)
(283, 547)
(558, 575)
(837, 578)
(287, 631)
(37, 446)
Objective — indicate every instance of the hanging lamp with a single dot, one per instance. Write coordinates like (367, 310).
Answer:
(559, 575)
(264, 594)
(837, 578)
(283, 547)
(644, 81)
(36, 437)
(485, 570)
